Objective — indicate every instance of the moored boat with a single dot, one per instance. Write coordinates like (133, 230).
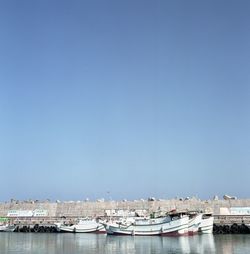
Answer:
(178, 226)
(167, 225)
(207, 222)
(82, 226)
(7, 228)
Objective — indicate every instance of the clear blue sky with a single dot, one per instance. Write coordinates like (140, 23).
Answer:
(135, 98)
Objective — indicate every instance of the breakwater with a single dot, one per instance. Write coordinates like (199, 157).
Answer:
(231, 229)
(82, 208)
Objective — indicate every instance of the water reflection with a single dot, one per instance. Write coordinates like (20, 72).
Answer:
(176, 244)
(204, 244)
(232, 244)
(27, 243)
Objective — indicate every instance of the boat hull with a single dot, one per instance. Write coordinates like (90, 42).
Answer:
(7, 228)
(206, 226)
(162, 227)
(82, 230)
(176, 228)
(194, 224)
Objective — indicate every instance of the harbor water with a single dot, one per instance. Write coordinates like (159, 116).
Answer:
(44, 243)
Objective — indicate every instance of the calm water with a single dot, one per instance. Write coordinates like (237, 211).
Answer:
(90, 243)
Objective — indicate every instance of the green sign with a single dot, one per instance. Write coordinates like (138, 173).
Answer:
(3, 219)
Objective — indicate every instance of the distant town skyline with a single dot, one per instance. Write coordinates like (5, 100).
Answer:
(124, 99)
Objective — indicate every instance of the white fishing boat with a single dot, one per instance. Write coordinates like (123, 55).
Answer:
(169, 225)
(207, 222)
(194, 222)
(7, 228)
(178, 226)
(84, 225)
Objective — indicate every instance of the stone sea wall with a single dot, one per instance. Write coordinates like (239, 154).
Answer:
(79, 209)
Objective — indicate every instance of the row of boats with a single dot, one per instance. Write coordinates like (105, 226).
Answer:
(173, 224)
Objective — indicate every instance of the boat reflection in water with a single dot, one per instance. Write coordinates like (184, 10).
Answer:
(154, 244)
(202, 244)
(29, 243)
